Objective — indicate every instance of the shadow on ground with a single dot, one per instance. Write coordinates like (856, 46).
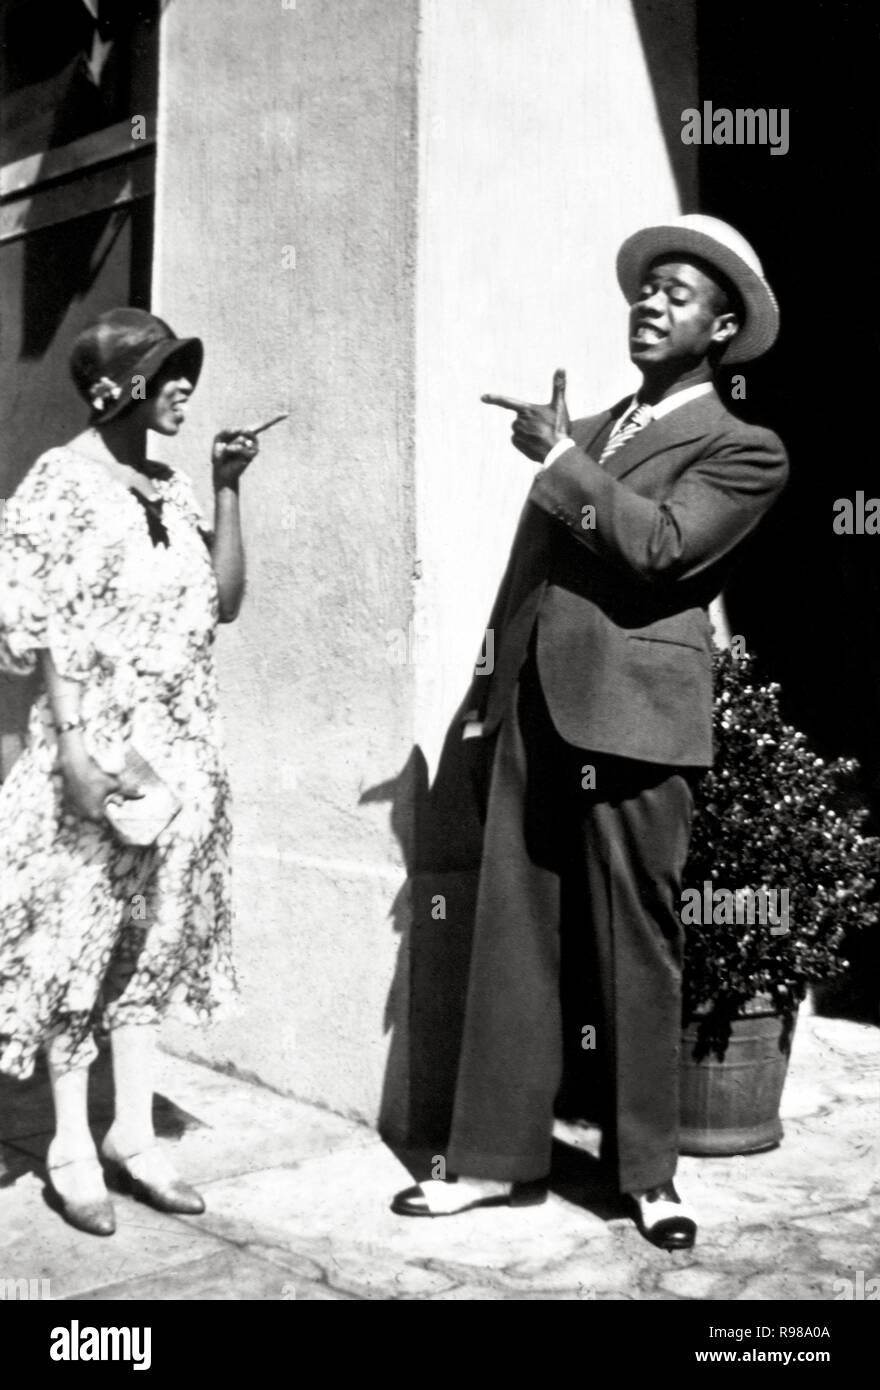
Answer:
(27, 1117)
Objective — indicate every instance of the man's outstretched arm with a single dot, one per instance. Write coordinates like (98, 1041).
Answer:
(707, 513)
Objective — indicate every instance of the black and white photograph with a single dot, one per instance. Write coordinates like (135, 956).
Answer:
(439, 678)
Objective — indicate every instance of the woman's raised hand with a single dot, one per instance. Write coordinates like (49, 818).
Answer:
(231, 453)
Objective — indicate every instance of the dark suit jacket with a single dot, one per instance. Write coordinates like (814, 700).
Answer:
(620, 594)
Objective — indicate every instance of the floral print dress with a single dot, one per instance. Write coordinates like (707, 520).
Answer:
(93, 933)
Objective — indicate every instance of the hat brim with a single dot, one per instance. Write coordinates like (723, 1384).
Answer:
(761, 328)
(187, 354)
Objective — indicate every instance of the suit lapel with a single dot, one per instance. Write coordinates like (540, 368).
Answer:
(591, 433)
(682, 426)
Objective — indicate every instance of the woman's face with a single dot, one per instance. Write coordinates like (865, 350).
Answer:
(165, 409)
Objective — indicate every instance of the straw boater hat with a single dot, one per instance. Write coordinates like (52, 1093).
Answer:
(121, 345)
(722, 247)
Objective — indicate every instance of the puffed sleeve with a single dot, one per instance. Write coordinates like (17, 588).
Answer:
(50, 578)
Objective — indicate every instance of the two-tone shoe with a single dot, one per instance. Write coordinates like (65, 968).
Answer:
(446, 1197)
(664, 1219)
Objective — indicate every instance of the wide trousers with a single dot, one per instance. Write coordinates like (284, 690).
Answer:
(577, 955)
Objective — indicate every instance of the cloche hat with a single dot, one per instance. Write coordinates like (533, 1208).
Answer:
(121, 345)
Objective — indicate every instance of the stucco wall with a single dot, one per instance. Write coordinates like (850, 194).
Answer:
(290, 134)
(540, 150)
(455, 177)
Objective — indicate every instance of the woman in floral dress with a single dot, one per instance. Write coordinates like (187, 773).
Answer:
(112, 586)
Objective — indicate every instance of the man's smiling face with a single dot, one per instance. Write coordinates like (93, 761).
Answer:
(679, 313)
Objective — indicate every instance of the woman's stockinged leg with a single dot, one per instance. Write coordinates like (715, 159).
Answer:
(70, 1085)
(72, 1162)
(134, 1076)
(130, 1144)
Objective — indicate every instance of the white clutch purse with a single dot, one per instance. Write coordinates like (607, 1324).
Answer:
(140, 822)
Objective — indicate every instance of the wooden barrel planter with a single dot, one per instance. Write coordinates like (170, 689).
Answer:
(730, 1105)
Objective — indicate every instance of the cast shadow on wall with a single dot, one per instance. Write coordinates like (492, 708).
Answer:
(439, 828)
(440, 835)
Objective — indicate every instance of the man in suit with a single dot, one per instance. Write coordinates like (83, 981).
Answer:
(593, 724)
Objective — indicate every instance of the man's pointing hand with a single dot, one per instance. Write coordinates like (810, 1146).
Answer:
(537, 427)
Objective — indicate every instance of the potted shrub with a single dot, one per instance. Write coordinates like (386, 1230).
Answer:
(780, 870)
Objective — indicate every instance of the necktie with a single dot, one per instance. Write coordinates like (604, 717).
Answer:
(637, 421)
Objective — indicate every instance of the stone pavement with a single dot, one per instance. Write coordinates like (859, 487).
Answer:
(298, 1204)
